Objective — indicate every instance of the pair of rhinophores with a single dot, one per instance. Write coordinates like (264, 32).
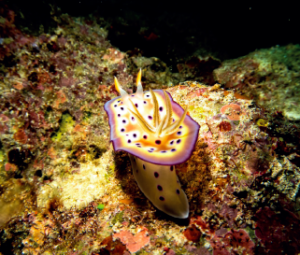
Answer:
(158, 134)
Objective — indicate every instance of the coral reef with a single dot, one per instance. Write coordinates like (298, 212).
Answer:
(271, 76)
(63, 190)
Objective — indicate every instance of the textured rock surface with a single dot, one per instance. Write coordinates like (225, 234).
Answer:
(270, 76)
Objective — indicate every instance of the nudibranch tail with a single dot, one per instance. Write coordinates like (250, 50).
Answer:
(161, 186)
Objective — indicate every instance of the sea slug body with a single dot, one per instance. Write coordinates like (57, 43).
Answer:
(158, 134)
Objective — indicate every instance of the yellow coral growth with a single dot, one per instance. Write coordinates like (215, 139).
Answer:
(262, 123)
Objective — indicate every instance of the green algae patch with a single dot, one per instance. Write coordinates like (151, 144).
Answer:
(118, 218)
(100, 207)
(87, 116)
(66, 126)
(12, 196)
(79, 71)
(110, 173)
(1, 156)
(251, 233)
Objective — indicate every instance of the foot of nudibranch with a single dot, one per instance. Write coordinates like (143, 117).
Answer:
(161, 186)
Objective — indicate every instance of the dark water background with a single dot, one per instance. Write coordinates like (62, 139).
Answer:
(224, 30)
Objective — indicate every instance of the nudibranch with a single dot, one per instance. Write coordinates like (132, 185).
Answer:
(158, 134)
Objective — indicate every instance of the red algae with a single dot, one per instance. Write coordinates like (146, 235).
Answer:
(224, 126)
(234, 242)
(61, 98)
(192, 233)
(133, 242)
(278, 231)
(10, 167)
(112, 247)
(20, 136)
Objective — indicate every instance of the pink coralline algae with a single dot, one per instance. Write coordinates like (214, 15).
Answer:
(197, 93)
(229, 214)
(133, 242)
(232, 111)
(234, 242)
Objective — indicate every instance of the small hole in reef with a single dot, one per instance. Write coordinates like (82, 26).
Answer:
(136, 105)
(158, 142)
(156, 174)
(147, 95)
(119, 115)
(129, 141)
(138, 145)
(150, 151)
(179, 133)
(124, 121)
(119, 101)
(161, 198)
(177, 191)
(180, 127)
(161, 109)
(145, 137)
(159, 188)
(171, 143)
(132, 118)
(123, 129)
(178, 141)
(39, 173)
(132, 95)
(144, 167)
(150, 117)
(173, 150)
(134, 135)
(115, 105)
(122, 108)
(145, 102)
(171, 168)
(163, 151)
(173, 120)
